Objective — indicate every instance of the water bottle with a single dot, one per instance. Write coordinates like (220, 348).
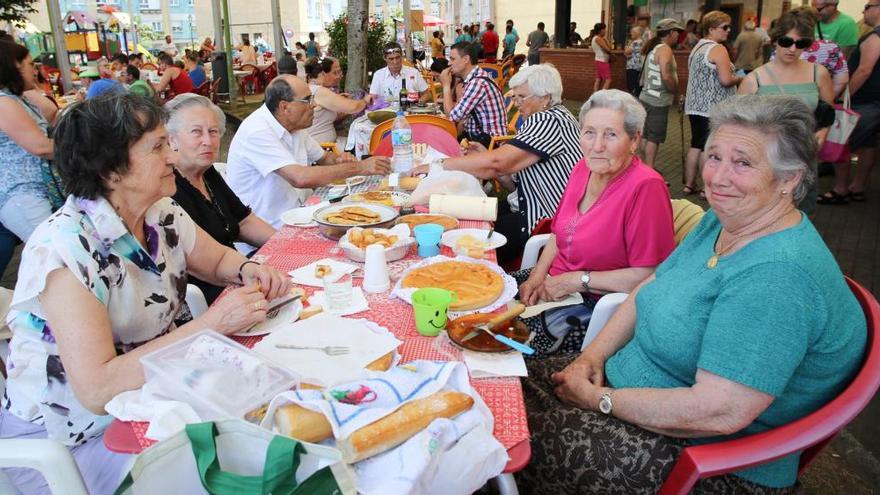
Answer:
(401, 140)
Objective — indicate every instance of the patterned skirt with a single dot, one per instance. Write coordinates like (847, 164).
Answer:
(578, 451)
(558, 330)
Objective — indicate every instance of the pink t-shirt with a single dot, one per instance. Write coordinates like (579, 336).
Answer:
(630, 225)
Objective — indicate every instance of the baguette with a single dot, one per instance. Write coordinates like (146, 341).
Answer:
(396, 428)
(303, 424)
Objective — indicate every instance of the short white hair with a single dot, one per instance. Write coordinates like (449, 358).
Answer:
(542, 80)
(634, 113)
(183, 101)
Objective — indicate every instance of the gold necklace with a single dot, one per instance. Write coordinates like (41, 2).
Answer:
(713, 260)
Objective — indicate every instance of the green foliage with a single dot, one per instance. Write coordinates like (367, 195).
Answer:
(146, 33)
(377, 36)
(16, 10)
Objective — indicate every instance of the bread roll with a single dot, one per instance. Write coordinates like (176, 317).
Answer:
(310, 311)
(301, 423)
(397, 427)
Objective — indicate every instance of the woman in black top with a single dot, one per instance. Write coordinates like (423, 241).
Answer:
(195, 126)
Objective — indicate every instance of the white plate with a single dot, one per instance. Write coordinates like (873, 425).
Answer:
(302, 217)
(451, 237)
(306, 275)
(285, 317)
(397, 197)
(351, 181)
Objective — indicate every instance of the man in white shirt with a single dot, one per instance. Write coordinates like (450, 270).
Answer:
(386, 81)
(271, 153)
(169, 47)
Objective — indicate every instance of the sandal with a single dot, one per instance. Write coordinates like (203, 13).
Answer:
(832, 197)
(689, 190)
(857, 196)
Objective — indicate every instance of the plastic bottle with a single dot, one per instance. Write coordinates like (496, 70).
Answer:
(402, 96)
(401, 140)
(412, 95)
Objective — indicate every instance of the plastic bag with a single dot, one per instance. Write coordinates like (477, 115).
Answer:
(441, 181)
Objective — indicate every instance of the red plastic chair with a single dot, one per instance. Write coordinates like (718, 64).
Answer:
(809, 434)
(433, 135)
(204, 89)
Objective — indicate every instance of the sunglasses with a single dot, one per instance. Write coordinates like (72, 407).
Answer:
(800, 44)
(393, 50)
(725, 27)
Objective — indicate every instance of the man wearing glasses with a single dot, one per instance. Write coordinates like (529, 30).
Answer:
(836, 26)
(271, 153)
(387, 80)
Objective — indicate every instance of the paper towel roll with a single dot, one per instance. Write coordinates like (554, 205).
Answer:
(464, 207)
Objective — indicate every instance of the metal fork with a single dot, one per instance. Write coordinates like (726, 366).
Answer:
(329, 350)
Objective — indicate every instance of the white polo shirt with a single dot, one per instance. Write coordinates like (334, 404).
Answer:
(388, 86)
(260, 147)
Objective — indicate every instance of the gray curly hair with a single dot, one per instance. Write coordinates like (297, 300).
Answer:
(788, 124)
(189, 100)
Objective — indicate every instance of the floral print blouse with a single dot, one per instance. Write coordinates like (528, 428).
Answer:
(142, 287)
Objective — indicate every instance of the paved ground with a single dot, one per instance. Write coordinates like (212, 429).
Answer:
(849, 466)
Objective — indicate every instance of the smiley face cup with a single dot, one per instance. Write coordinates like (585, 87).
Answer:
(430, 306)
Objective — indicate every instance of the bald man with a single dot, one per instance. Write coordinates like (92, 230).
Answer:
(271, 156)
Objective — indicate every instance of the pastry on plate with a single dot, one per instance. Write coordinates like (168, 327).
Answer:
(446, 221)
(378, 197)
(352, 215)
(322, 271)
(476, 285)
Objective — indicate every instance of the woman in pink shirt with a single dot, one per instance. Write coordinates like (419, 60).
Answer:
(612, 228)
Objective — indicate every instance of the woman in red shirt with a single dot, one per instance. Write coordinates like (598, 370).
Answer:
(174, 79)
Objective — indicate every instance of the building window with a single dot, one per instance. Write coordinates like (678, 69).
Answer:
(157, 26)
(174, 3)
(177, 27)
(144, 4)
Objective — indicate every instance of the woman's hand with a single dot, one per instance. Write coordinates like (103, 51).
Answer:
(531, 290)
(474, 147)
(238, 310)
(580, 383)
(270, 282)
(560, 286)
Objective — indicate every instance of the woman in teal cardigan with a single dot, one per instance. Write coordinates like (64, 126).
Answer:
(747, 326)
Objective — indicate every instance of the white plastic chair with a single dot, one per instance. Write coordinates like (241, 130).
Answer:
(196, 301)
(533, 250)
(48, 457)
(5, 335)
(602, 312)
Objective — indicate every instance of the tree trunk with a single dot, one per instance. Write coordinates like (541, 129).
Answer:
(358, 19)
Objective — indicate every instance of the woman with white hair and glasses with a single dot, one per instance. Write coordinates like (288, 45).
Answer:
(747, 326)
(536, 162)
(612, 227)
(195, 126)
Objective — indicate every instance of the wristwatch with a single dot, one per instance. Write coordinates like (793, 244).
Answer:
(585, 281)
(605, 404)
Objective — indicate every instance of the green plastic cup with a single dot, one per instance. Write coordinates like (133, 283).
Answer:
(430, 306)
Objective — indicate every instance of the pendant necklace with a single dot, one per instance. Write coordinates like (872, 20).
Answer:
(713, 260)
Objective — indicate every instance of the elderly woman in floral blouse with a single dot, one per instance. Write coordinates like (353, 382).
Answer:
(102, 280)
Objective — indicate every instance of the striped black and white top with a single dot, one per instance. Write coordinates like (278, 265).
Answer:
(553, 135)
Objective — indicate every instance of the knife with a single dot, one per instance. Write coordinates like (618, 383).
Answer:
(511, 312)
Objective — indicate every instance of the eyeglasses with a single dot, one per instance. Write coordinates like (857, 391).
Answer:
(800, 44)
(389, 51)
(869, 5)
(519, 99)
(725, 27)
(306, 99)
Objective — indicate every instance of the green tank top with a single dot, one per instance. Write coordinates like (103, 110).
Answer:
(808, 91)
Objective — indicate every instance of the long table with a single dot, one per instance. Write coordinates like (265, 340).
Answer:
(293, 247)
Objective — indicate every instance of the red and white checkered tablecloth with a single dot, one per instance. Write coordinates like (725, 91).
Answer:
(294, 247)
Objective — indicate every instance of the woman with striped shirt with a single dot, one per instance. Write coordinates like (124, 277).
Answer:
(536, 162)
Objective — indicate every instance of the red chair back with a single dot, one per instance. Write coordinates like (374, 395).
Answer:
(435, 136)
(808, 434)
(204, 89)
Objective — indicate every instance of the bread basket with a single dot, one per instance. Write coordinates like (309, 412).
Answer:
(392, 253)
